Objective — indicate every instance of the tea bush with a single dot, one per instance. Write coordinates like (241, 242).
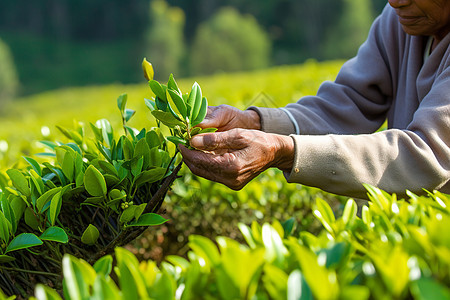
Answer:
(229, 42)
(94, 194)
(396, 250)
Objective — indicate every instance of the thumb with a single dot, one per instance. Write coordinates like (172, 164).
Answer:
(213, 118)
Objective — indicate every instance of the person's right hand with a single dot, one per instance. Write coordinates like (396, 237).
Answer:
(225, 117)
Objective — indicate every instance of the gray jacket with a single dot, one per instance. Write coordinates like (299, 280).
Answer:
(336, 148)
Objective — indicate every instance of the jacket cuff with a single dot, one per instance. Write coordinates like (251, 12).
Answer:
(274, 120)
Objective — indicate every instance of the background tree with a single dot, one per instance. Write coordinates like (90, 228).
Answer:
(344, 39)
(229, 41)
(8, 76)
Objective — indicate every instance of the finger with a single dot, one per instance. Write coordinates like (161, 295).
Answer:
(210, 166)
(218, 140)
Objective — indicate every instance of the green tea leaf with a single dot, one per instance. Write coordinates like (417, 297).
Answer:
(325, 215)
(122, 102)
(31, 219)
(6, 259)
(149, 219)
(349, 213)
(176, 140)
(94, 182)
(104, 265)
(148, 69)
(128, 214)
(56, 234)
(108, 168)
(34, 164)
(150, 176)
(150, 104)
(152, 139)
(172, 84)
(167, 118)
(128, 114)
(207, 130)
(90, 235)
(55, 207)
(5, 228)
(195, 101)
(19, 181)
(46, 197)
(202, 112)
(43, 292)
(22, 241)
(157, 89)
(176, 102)
(8, 212)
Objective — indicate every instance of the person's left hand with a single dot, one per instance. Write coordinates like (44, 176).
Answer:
(237, 156)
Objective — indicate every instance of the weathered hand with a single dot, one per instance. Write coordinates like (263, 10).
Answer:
(237, 156)
(225, 117)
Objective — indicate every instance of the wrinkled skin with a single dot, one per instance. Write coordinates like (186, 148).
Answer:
(424, 17)
(237, 153)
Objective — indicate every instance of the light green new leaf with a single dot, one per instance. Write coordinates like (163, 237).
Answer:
(167, 118)
(176, 102)
(78, 276)
(325, 215)
(8, 212)
(22, 241)
(45, 198)
(56, 234)
(173, 108)
(157, 89)
(149, 219)
(349, 213)
(202, 112)
(128, 214)
(132, 282)
(90, 235)
(104, 265)
(122, 102)
(172, 84)
(195, 100)
(94, 182)
(43, 292)
(205, 248)
(19, 181)
(150, 104)
(5, 228)
(55, 207)
(128, 114)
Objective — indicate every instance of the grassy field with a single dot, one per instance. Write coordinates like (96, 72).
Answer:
(22, 121)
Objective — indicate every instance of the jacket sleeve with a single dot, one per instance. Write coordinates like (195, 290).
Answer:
(337, 150)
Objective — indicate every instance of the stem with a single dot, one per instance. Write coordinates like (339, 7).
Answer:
(29, 271)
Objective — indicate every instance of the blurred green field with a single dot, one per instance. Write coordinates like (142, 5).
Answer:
(22, 121)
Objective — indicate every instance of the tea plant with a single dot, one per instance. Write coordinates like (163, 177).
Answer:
(396, 250)
(180, 112)
(91, 195)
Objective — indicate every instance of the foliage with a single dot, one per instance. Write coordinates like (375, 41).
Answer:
(164, 39)
(199, 206)
(394, 251)
(8, 76)
(180, 112)
(351, 30)
(229, 41)
(113, 186)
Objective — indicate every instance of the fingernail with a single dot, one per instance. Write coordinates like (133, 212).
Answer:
(197, 142)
